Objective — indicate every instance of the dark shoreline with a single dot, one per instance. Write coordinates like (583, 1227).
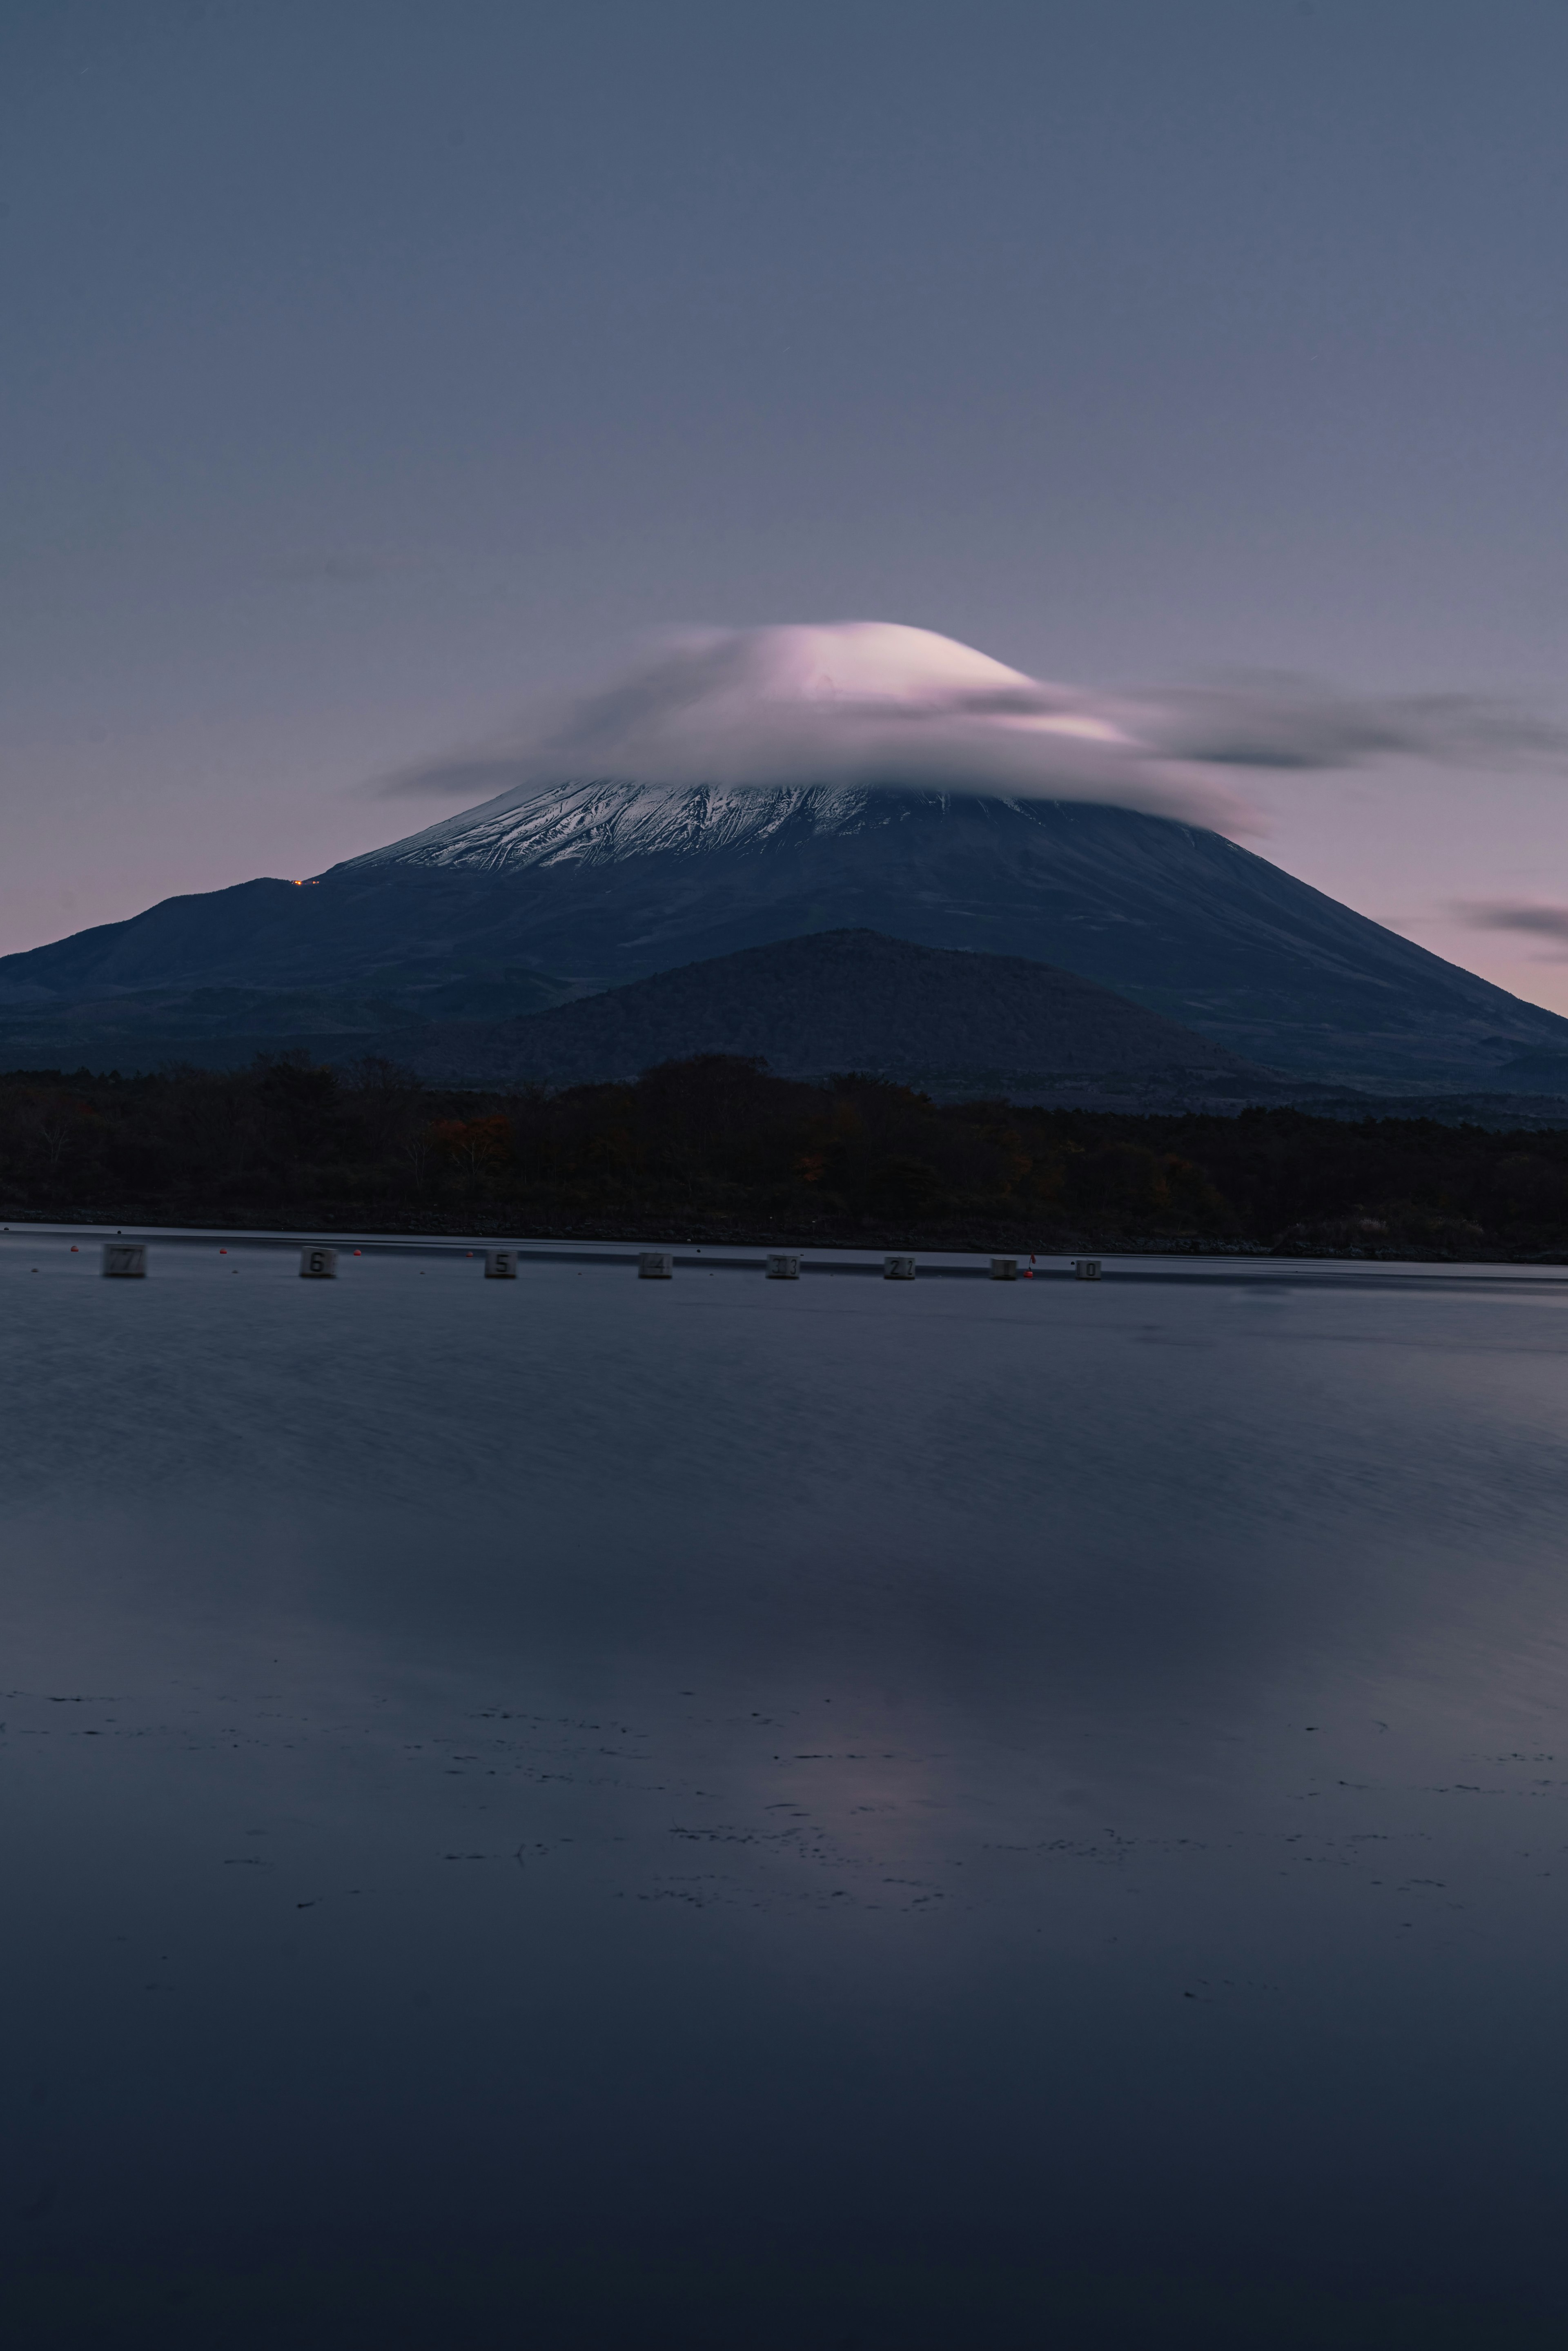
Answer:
(629, 1233)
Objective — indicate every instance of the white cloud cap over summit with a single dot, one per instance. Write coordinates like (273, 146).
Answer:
(874, 703)
(857, 703)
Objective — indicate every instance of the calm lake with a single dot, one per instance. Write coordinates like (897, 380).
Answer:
(837, 1813)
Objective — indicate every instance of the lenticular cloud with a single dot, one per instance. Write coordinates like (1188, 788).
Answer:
(861, 703)
(866, 703)
(869, 702)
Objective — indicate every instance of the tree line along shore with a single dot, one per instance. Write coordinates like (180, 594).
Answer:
(717, 1148)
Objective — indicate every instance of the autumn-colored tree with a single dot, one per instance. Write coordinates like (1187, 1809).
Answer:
(474, 1146)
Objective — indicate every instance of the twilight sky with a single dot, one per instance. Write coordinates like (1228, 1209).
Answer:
(372, 367)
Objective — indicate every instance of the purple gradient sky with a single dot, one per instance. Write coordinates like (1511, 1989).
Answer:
(371, 364)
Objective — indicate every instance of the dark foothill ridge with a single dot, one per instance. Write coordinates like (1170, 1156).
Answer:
(851, 999)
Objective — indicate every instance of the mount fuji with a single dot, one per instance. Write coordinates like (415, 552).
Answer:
(535, 897)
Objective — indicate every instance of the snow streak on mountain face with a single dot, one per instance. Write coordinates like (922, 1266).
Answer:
(606, 824)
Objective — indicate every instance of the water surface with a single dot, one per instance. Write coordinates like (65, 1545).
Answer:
(1059, 1781)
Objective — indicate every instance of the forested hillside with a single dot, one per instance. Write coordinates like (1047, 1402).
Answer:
(717, 1148)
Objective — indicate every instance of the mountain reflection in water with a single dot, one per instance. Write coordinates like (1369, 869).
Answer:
(1049, 1775)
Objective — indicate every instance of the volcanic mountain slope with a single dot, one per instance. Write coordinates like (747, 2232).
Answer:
(850, 1000)
(547, 897)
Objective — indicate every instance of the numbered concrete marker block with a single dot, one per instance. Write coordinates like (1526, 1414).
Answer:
(1087, 1269)
(125, 1260)
(1004, 1268)
(653, 1265)
(898, 1269)
(500, 1265)
(318, 1265)
(783, 1269)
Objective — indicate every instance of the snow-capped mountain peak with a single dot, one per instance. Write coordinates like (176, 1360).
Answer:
(603, 823)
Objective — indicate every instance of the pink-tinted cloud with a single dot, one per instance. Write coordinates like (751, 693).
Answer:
(1518, 914)
(868, 703)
